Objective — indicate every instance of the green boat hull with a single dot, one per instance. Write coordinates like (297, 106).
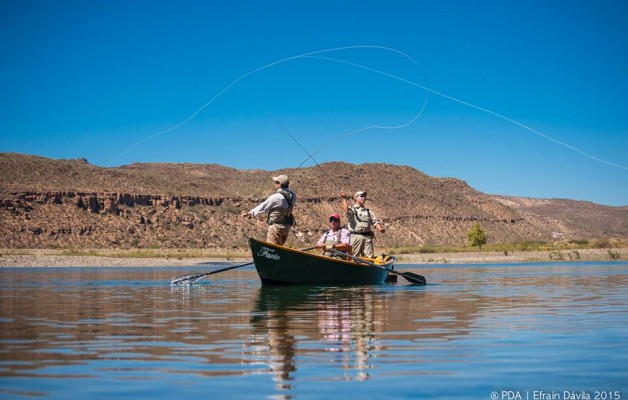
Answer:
(278, 265)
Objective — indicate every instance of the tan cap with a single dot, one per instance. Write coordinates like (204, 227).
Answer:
(359, 193)
(283, 179)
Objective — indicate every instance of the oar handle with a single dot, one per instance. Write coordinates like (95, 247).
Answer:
(309, 248)
(409, 276)
(357, 259)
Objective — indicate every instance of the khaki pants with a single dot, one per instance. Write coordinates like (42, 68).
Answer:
(277, 234)
(362, 246)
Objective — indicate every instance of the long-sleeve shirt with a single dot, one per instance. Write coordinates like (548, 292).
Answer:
(275, 200)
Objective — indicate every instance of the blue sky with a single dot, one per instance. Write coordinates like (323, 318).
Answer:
(457, 84)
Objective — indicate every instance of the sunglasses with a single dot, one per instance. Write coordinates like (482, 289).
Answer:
(334, 220)
(362, 195)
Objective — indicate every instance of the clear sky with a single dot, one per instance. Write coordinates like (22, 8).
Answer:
(522, 98)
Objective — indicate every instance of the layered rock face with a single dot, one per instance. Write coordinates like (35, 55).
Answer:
(83, 220)
(72, 204)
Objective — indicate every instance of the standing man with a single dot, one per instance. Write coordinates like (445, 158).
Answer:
(362, 222)
(279, 207)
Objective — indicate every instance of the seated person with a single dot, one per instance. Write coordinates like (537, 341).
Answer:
(335, 238)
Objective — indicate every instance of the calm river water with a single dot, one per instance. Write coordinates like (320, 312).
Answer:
(474, 332)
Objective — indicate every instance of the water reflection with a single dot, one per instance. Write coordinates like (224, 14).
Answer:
(77, 330)
(338, 323)
(346, 321)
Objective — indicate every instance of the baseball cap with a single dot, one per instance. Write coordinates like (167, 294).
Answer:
(281, 179)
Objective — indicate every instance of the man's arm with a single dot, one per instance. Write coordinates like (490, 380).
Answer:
(345, 206)
(264, 206)
(379, 225)
(345, 240)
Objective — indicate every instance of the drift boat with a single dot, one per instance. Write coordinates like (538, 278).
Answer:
(277, 265)
(282, 265)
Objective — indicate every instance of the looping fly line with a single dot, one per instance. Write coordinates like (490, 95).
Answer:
(317, 54)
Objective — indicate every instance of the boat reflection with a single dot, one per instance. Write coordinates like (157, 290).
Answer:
(334, 324)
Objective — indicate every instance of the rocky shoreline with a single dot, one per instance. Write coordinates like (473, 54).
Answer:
(60, 260)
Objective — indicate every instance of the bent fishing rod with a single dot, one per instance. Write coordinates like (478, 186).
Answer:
(310, 156)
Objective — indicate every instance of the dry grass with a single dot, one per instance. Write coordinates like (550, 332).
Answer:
(524, 246)
(178, 254)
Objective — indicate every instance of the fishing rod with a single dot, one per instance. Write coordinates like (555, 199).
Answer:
(343, 135)
(310, 156)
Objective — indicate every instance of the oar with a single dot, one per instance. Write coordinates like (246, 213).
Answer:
(197, 277)
(194, 278)
(411, 277)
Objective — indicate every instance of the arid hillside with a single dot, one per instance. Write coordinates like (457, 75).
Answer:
(47, 203)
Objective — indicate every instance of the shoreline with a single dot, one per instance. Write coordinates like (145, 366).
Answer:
(54, 260)
(497, 257)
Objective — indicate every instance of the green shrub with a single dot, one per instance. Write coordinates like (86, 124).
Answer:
(602, 244)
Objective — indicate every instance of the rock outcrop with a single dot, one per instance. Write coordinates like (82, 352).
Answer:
(71, 204)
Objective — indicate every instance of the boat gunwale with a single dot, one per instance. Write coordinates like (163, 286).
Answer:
(327, 258)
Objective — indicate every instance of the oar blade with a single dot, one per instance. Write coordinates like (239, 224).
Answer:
(414, 278)
(186, 279)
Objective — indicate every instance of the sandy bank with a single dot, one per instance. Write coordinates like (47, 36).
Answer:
(47, 260)
(89, 261)
(515, 256)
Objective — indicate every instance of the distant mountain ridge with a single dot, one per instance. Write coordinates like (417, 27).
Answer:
(47, 203)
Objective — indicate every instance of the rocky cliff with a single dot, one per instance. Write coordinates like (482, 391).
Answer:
(48, 203)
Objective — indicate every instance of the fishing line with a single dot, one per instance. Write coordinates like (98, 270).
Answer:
(314, 54)
(366, 128)
(242, 77)
(310, 156)
(457, 101)
(411, 121)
